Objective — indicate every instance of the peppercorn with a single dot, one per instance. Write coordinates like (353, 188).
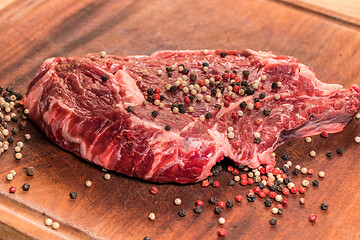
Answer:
(167, 128)
(26, 187)
(216, 184)
(12, 189)
(257, 140)
(274, 85)
(229, 204)
(130, 108)
(267, 111)
(223, 54)
(222, 232)
(211, 181)
(173, 88)
(10, 139)
(182, 213)
(147, 238)
(315, 183)
(296, 171)
(251, 198)
(256, 100)
(197, 209)
(169, 74)
(246, 73)
(273, 221)
(262, 95)
(231, 183)
(208, 115)
(312, 217)
(154, 190)
(340, 150)
(14, 131)
(268, 202)
(150, 91)
(15, 119)
(287, 180)
(250, 90)
(154, 113)
(185, 71)
(30, 171)
(73, 194)
(324, 206)
(205, 64)
(193, 77)
(213, 201)
(329, 154)
(217, 210)
(104, 78)
(243, 105)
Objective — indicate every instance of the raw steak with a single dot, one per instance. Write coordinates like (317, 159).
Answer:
(171, 116)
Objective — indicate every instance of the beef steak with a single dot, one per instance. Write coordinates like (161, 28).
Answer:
(171, 116)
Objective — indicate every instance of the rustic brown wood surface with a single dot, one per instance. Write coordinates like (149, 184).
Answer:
(31, 31)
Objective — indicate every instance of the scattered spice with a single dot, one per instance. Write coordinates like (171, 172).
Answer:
(221, 221)
(154, 190)
(151, 216)
(315, 183)
(48, 222)
(273, 221)
(26, 187)
(30, 171)
(340, 150)
(312, 217)
(88, 183)
(222, 232)
(55, 225)
(107, 176)
(308, 139)
(324, 206)
(73, 195)
(182, 213)
(302, 201)
(197, 210)
(329, 154)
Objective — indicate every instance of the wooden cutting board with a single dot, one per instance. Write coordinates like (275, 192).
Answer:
(31, 31)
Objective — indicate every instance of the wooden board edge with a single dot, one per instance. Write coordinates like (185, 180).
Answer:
(22, 222)
(351, 21)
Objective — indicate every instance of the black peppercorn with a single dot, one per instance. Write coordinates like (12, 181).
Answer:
(287, 180)
(211, 180)
(10, 89)
(191, 98)
(26, 187)
(329, 154)
(14, 131)
(267, 111)
(185, 71)
(251, 198)
(244, 83)
(208, 115)
(274, 85)
(197, 209)
(296, 171)
(162, 97)
(15, 119)
(173, 88)
(268, 202)
(150, 99)
(218, 167)
(246, 73)
(256, 100)
(280, 211)
(11, 139)
(193, 77)
(257, 140)
(148, 238)
(30, 171)
(218, 106)
(324, 206)
(217, 210)
(205, 64)
(213, 200)
(250, 90)
(73, 194)
(315, 183)
(340, 150)
(150, 91)
(229, 204)
(169, 74)
(231, 183)
(273, 187)
(285, 156)
(243, 105)
(130, 108)
(104, 78)
(167, 128)
(154, 113)
(262, 95)
(273, 221)
(215, 172)
(168, 69)
(213, 91)
(182, 213)
(261, 185)
(223, 54)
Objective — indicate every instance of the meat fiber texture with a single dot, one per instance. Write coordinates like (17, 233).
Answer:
(82, 104)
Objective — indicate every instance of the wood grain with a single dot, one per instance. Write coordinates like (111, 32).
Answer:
(32, 31)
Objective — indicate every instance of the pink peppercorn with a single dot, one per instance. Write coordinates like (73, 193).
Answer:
(324, 134)
(243, 176)
(205, 183)
(232, 75)
(216, 184)
(236, 88)
(302, 190)
(12, 189)
(234, 115)
(272, 194)
(275, 171)
(225, 76)
(226, 104)
(244, 182)
(227, 97)
(285, 191)
(222, 232)
(266, 191)
(310, 171)
(157, 90)
(154, 190)
(284, 202)
(217, 77)
(312, 217)
(262, 194)
(257, 105)
(230, 168)
(239, 198)
(257, 190)
(221, 204)
(294, 189)
(262, 171)
(235, 171)
(250, 181)
(199, 203)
